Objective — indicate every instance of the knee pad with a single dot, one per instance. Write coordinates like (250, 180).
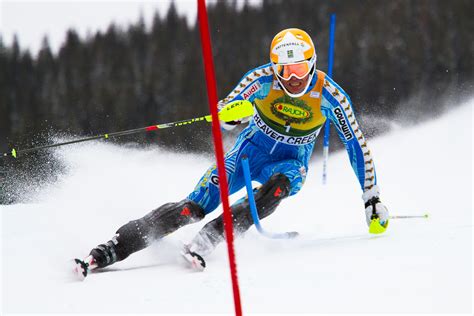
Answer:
(272, 192)
(267, 199)
(171, 216)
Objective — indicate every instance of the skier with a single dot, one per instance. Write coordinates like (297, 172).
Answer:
(292, 100)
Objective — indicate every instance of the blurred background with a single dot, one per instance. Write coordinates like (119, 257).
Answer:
(401, 61)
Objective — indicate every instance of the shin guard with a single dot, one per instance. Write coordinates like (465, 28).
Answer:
(139, 234)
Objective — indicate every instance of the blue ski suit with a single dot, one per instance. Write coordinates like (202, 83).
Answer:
(282, 133)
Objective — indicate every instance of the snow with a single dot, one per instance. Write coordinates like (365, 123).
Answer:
(417, 266)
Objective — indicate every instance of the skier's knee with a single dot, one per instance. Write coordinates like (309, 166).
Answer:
(171, 216)
(267, 198)
(273, 191)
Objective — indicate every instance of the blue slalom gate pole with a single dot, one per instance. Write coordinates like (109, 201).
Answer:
(253, 207)
(332, 30)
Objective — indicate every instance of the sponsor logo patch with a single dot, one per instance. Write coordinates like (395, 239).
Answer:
(314, 94)
(215, 180)
(278, 192)
(185, 212)
(291, 110)
(343, 124)
(290, 140)
(251, 90)
(283, 45)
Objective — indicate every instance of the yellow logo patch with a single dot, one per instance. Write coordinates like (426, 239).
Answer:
(291, 110)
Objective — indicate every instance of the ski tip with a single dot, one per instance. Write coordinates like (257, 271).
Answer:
(292, 235)
(80, 269)
(194, 260)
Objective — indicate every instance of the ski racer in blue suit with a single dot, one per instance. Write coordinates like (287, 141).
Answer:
(292, 101)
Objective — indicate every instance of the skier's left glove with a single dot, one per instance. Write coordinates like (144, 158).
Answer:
(375, 211)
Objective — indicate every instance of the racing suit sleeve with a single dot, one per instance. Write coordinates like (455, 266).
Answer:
(254, 84)
(337, 107)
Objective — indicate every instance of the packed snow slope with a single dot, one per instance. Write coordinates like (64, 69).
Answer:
(418, 265)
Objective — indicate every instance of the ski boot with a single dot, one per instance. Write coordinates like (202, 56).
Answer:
(193, 259)
(99, 257)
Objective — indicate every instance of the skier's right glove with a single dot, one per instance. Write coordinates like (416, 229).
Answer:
(228, 126)
(375, 212)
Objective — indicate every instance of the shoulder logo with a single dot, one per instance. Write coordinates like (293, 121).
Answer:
(251, 90)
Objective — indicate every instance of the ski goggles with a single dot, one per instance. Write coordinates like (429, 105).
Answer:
(286, 71)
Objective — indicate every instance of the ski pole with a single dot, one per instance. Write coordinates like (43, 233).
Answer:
(376, 228)
(233, 111)
(408, 216)
(253, 207)
(332, 30)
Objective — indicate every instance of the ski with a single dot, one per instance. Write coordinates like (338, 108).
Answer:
(82, 267)
(193, 259)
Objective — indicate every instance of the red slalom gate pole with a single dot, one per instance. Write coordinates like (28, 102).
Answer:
(218, 147)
